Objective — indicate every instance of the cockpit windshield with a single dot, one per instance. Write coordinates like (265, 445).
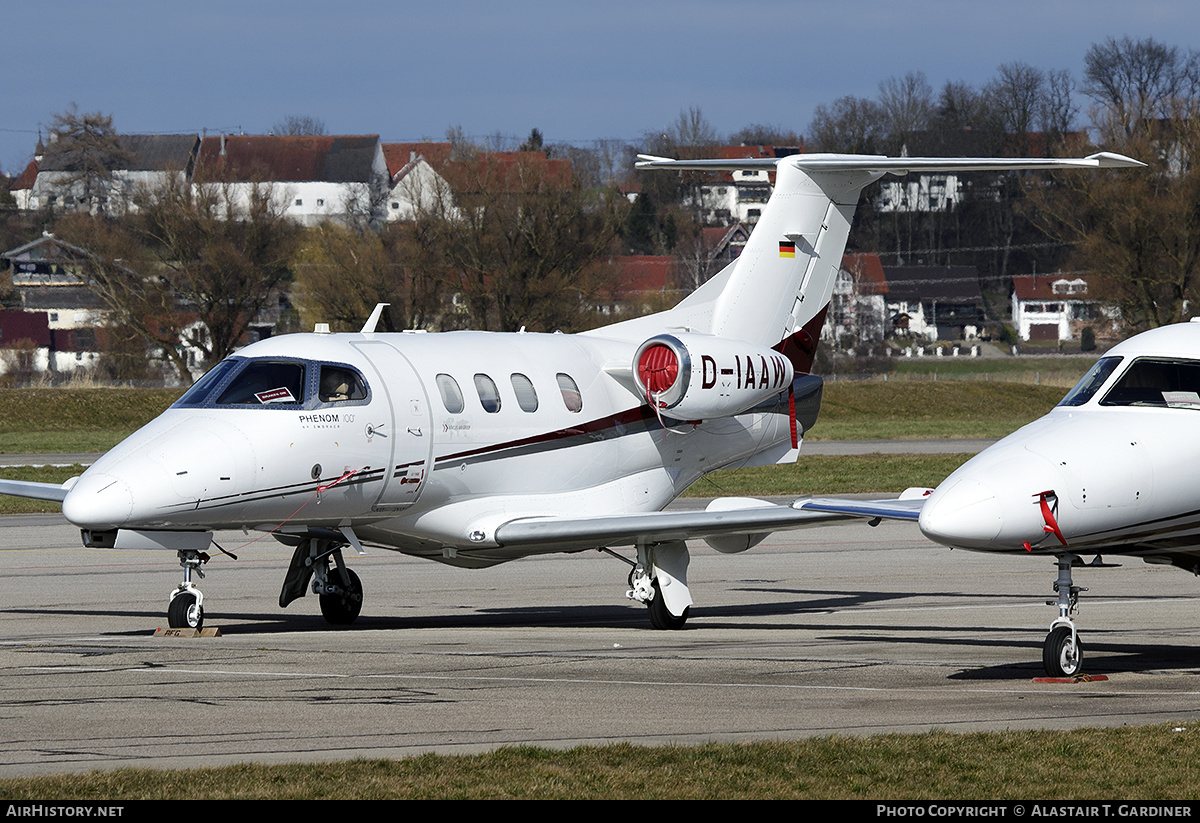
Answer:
(264, 382)
(1153, 382)
(277, 383)
(1086, 388)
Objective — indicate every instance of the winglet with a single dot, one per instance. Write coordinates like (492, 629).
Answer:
(373, 320)
(1112, 160)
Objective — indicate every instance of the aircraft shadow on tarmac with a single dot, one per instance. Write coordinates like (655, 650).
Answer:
(1102, 656)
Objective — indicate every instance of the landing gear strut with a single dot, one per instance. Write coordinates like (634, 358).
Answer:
(186, 609)
(340, 590)
(1062, 654)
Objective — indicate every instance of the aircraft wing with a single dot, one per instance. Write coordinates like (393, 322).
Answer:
(724, 518)
(38, 491)
(901, 509)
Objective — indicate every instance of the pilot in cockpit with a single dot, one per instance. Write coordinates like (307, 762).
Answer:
(337, 385)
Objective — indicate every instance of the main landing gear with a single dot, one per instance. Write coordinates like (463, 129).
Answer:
(340, 591)
(659, 579)
(1062, 654)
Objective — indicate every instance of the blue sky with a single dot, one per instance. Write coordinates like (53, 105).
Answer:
(578, 71)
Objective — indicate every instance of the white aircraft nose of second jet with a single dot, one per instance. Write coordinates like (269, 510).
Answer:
(965, 514)
(991, 503)
(98, 501)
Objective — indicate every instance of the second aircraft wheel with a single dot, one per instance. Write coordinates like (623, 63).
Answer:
(1062, 656)
(342, 609)
(660, 615)
(185, 613)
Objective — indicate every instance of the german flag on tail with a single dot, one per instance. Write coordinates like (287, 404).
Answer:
(787, 248)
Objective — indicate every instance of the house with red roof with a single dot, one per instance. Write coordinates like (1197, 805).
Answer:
(312, 178)
(1058, 306)
(858, 310)
(640, 284)
(415, 177)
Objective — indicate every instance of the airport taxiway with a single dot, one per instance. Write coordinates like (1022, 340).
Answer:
(836, 630)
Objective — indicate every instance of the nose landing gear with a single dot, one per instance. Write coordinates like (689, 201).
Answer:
(1062, 653)
(186, 609)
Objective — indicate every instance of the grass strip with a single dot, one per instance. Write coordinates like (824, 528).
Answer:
(1133, 763)
(820, 474)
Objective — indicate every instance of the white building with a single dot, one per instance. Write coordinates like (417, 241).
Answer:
(415, 178)
(1057, 307)
(150, 160)
(310, 178)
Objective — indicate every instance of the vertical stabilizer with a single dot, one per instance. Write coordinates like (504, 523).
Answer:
(775, 294)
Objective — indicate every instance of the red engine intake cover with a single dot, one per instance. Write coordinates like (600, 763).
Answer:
(658, 368)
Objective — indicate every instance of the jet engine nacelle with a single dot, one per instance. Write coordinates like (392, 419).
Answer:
(698, 376)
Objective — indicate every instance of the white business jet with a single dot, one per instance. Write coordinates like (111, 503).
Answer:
(1109, 471)
(475, 448)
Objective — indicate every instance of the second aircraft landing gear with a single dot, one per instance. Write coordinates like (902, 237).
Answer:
(1062, 653)
(339, 588)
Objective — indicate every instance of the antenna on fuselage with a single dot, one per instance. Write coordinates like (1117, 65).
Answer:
(373, 320)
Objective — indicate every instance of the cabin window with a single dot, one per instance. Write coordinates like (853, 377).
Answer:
(571, 396)
(452, 397)
(1086, 388)
(489, 395)
(526, 395)
(266, 383)
(340, 384)
(1165, 383)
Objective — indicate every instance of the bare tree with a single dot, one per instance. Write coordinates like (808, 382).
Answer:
(523, 241)
(850, 124)
(1014, 100)
(906, 105)
(195, 266)
(83, 152)
(761, 134)
(299, 124)
(1139, 232)
(691, 129)
(1134, 82)
(1058, 110)
(342, 273)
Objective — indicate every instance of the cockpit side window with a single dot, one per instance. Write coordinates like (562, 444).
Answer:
(1165, 383)
(1086, 388)
(266, 383)
(340, 384)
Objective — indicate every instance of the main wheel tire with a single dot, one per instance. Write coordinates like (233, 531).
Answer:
(342, 609)
(1062, 656)
(185, 613)
(661, 617)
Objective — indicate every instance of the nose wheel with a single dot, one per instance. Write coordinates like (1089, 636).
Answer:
(186, 609)
(1061, 653)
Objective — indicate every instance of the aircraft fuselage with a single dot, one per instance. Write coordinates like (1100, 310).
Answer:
(448, 436)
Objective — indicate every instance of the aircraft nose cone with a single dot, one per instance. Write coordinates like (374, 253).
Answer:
(966, 515)
(98, 501)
